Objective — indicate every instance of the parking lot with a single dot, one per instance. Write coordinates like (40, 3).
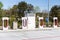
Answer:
(31, 35)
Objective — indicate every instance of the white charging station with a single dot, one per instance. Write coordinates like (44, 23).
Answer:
(24, 23)
(41, 22)
(55, 22)
(5, 23)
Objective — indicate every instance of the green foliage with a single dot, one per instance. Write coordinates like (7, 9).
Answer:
(0, 21)
(55, 12)
(22, 6)
(12, 18)
(1, 5)
(19, 23)
(30, 8)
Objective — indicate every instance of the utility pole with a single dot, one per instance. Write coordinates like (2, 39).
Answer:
(48, 12)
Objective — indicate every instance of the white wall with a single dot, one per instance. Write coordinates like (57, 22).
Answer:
(31, 22)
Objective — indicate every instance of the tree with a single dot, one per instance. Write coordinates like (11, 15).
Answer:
(1, 5)
(55, 12)
(30, 7)
(22, 6)
(14, 10)
(36, 9)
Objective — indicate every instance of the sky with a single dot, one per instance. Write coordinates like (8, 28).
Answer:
(42, 4)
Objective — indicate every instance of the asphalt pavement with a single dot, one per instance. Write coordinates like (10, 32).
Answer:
(31, 34)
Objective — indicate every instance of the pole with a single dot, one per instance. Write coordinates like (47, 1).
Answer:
(48, 12)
